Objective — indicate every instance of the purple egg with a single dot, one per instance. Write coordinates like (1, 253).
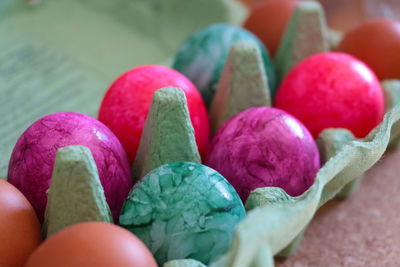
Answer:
(262, 147)
(32, 160)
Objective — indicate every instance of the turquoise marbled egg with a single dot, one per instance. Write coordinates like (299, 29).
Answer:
(183, 210)
(201, 58)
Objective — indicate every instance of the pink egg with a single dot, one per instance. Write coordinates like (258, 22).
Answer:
(262, 147)
(333, 90)
(32, 160)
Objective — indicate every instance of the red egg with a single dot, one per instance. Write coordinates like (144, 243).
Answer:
(126, 103)
(377, 43)
(332, 90)
(268, 20)
(92, 244)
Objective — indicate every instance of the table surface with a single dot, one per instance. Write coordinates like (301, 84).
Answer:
(363, 230)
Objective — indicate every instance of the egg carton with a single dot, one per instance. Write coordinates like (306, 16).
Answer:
(275, 221)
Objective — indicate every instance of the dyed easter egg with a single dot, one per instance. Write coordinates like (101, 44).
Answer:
(20, 231)
(377, 43)
(32, 160)
(126, 103)
(183, 210)
(202, 57)
(268, 20)
(332, 90)
(262, 147)
(92, 244)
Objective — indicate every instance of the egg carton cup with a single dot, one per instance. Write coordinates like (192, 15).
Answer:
(275, 221)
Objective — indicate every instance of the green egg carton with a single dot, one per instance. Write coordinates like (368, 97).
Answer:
(275, 221)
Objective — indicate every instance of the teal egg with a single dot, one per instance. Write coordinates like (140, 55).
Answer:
(202, 57)
(183, 210)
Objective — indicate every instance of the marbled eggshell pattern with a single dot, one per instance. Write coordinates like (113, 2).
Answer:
(202, 57)
(262, 147)
(183, 210)
(32, 160)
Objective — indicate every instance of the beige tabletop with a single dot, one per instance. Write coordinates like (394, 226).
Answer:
(363, 230)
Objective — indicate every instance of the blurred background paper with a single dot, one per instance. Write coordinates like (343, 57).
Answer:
(58, 55)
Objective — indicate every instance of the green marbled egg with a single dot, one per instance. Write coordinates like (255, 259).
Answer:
(183, 210)
(201, 58)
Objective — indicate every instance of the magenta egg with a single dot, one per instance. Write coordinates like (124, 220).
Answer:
(32, 160)
(262, 147)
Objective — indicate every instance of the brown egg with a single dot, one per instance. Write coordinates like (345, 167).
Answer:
(20, 232)
(268, 21)
(377, 43)
(92, 244)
